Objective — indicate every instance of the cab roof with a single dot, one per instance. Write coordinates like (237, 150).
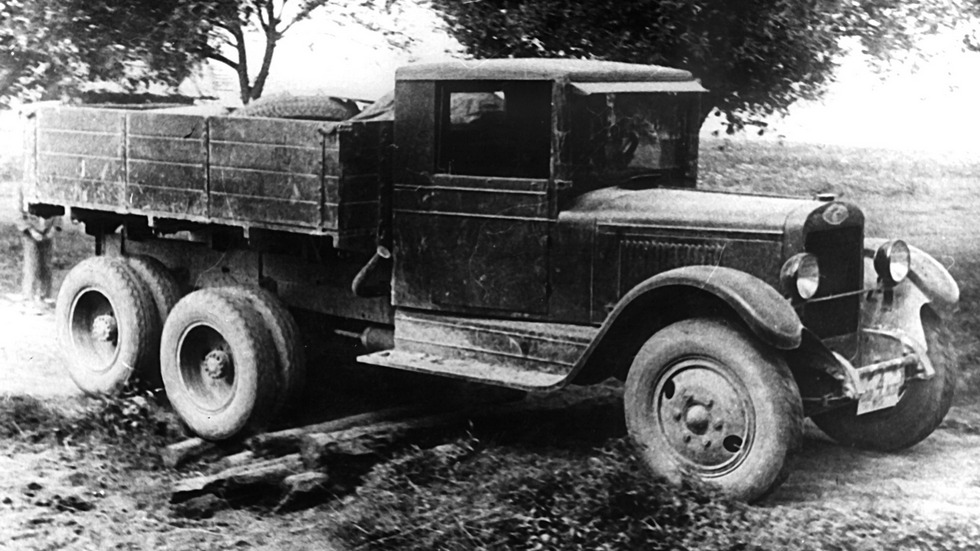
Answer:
(573, 70)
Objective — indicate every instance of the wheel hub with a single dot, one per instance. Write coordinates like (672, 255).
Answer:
(704, 416)
(217, 364)
(697, 418)
(104, 328)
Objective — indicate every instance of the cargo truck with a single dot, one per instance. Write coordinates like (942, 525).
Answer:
(526, 223)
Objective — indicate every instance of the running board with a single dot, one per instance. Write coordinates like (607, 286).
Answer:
(470, 370)
(514, 353)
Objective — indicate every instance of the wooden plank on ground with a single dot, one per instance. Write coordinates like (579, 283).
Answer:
(240, 479)
(185, 451)
(320, 450)
(289, 440)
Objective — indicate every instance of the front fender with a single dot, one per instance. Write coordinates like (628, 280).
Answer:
(678, 294)
(767, 313)
(926, 273)
(895, 315)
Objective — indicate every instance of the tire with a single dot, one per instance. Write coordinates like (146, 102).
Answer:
(307, 106)
(162, 285)
(217, 363)
(707, 403)
(106, 325)
(286, 338)
(165, 292)
(920, 410)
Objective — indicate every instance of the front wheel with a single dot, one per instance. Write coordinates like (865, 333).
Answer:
(921, 407)
(705, 401)
(218, 365)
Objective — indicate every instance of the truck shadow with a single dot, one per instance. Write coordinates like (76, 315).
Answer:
(572, 418)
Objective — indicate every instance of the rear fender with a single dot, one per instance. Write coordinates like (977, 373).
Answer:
(681, 293)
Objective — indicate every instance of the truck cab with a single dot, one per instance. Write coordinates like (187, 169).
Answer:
(527, 223)
(485, 178)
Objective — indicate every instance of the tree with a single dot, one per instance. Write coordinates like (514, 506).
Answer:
(47, 46)
(756, 57)
(51, 46)
(217, 26)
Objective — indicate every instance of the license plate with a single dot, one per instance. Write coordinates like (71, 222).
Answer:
(880, 390)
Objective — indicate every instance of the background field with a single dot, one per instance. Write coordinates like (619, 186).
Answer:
(567, 483)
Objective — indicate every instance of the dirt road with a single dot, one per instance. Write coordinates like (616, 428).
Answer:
(28, 354)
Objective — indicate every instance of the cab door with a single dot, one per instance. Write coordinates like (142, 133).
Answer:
(471, 211)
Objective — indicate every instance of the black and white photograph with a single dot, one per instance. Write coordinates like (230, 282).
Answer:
(454, 275)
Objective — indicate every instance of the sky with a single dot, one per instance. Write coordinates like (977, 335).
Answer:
(934, 107)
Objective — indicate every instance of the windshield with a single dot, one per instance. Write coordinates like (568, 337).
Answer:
(634, 138)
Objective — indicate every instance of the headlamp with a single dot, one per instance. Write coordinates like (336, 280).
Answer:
(892, 262)
(800, 276)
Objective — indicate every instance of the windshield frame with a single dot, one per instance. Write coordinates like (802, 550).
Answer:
(599, 152)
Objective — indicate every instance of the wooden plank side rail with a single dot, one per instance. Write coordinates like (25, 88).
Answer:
(307, 176)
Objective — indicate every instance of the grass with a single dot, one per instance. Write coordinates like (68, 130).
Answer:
(540, 499)
(135, 424)
(852, 173)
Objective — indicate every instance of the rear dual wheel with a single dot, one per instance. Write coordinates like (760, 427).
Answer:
(109, 315)
(290, 353)
(107, 324)
(217, 360)
(231, 359)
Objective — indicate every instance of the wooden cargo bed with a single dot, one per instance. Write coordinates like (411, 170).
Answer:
(311, 177)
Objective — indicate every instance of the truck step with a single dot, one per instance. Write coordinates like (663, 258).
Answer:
(468, 369)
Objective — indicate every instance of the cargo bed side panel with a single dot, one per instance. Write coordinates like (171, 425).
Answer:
(81, 157)
(167, 164)
(270, 170)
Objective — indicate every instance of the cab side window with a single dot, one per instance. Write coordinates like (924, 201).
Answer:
(495, 129)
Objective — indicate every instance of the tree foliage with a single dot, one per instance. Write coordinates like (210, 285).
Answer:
(47, 46)
(756, 57)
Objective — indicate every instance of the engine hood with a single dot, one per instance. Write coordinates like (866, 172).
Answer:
(694, 209)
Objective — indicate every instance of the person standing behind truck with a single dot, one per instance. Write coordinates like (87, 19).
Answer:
(37, 235)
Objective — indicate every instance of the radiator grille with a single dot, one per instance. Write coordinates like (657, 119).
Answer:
(838, 252)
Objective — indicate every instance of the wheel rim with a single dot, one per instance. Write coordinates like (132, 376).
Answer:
(207, 367)
(94, 330)
(704, 415)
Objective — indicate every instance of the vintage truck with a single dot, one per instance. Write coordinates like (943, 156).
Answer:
(524, 223)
